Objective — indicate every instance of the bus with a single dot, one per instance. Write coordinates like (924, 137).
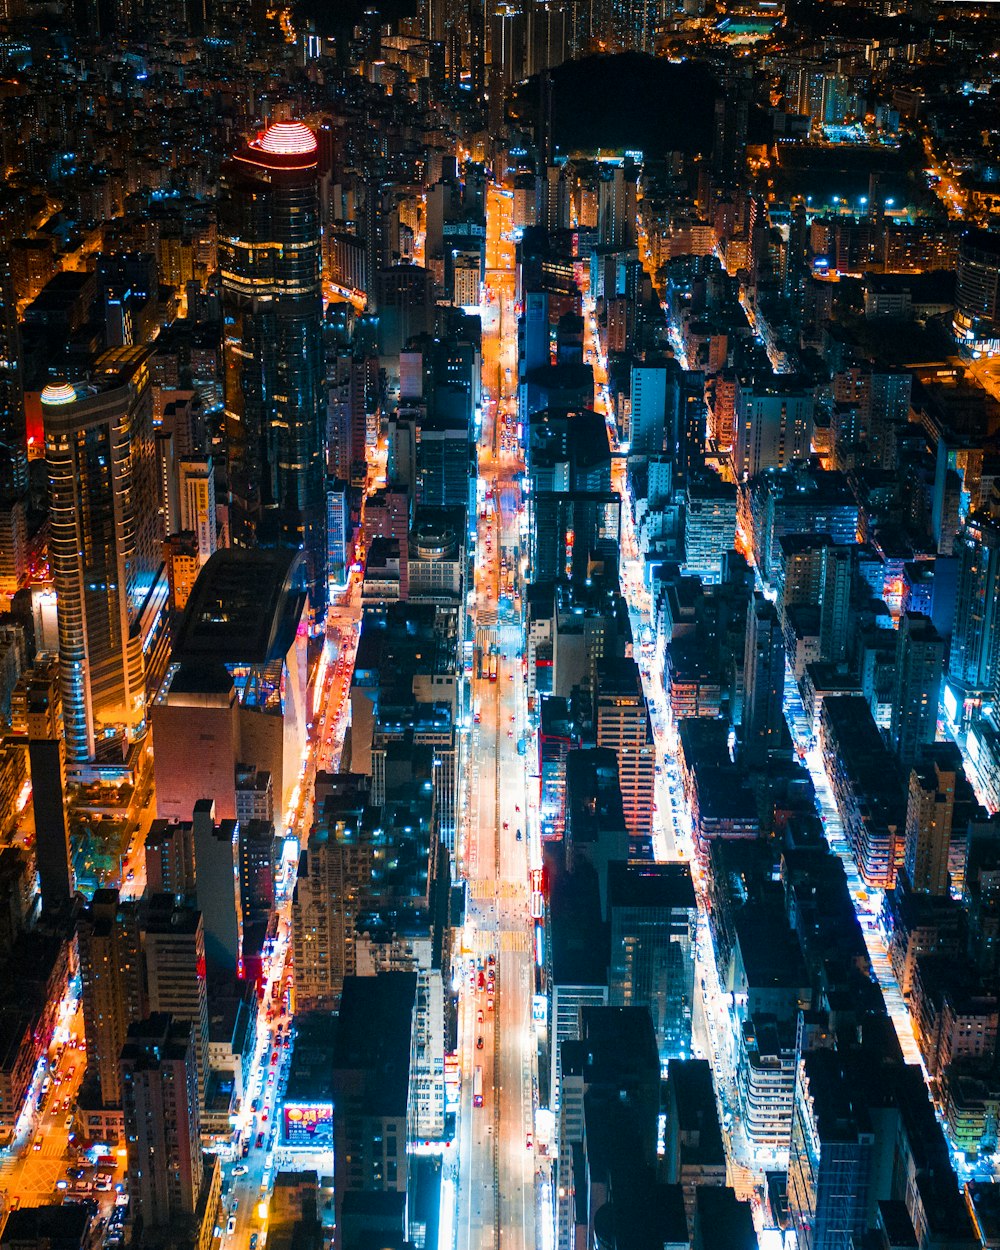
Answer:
(477, 1087)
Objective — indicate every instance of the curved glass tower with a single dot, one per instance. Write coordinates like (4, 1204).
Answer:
(269, 255)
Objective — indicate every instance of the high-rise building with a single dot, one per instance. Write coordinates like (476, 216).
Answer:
(977, 291)
(647, 426)
(39, 689)
(113, 993)
(275, 400)
(975, 642)
(176, 971)
(159, 1086)
(218, 887)
(837, 572)
(623, 726)
(372, 1069)
(774, 424)
(930, 812)
(104, 549)
(763, 682)
(652, 916)
(830, 1160)
(13, 433)
(196, 498)
(917, 693)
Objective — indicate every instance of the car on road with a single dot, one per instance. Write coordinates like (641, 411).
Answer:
(479, 1016)
(260, 1140)
(253, 1241)
(231, 1226)
(489, 1004)
(240, 1169)
(479, 1042)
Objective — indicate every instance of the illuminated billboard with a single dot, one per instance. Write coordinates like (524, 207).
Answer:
(309, 1124)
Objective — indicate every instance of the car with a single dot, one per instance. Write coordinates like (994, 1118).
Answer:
(274, 1057)
(231, 1226)
(62, 1183)
(479, 1016)
(479, 1042)
(489, 1004)
(255, 1105)
(482, 981)
(103, 1186)
(491, 959)
(37, 1144)
(270, 1078)
(240, 1169)
(519, 835)
(253, 1241)
(529, 1142)
(263, 1118)
(260, 1140)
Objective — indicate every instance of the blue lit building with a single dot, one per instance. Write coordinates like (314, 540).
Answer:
(269, 256)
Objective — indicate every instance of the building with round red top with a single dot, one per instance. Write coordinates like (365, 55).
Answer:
(275, 401)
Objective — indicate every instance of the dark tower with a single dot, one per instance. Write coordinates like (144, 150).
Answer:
(269, 254)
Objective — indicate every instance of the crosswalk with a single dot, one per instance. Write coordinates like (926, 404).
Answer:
(483, 888)
(513, 941)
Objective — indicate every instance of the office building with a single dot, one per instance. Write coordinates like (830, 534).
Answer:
(217, 883)
(830, 1159)
(917, 693)
(275, 398)
(40, 691)
(236, 684)
(694, 1153)
(763, 683)
(976, 321)
(13, 432)
(623, 726)
(170, 858)
(104, 548)
(611, 1069)
(975, 640)
(196, 503)
(173, 934)
(111, 971)
(162, 1129)
(372, 1064)
(652, 916)
(774, 424)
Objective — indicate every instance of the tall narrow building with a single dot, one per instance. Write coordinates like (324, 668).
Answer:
(13, 434)
(162, 1126)
(176, 971)
(919, 669)
(113, 995)
(763, 682)
(275, 403)
(39, 691)
(104, 549)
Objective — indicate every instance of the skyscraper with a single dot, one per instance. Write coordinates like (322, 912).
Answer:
(160, 1103)
(623, 726)
(13, 435)
(763, 682)
(919, 669)
(930, 812)
(218, 887)
(269, 256)
(113, 997)
(651, 917)
(972, 662)
(196, 492)
(39, 688)
(176, 972)
(103, 545)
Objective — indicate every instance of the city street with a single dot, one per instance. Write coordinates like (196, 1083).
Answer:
(496, 1184)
